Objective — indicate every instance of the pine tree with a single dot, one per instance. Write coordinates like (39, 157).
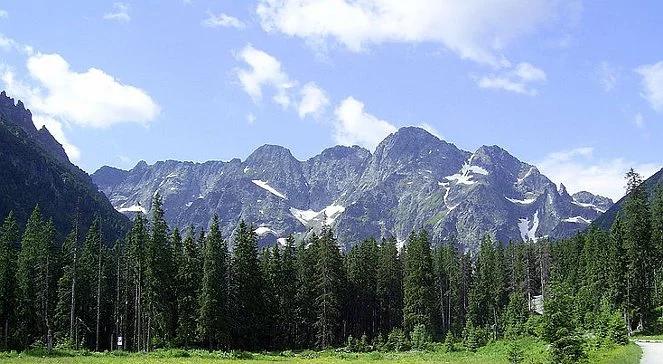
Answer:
(159, 269)
(188, 280)
(65, 307)
(389, 287)
(638, 251)
(248, 286)
(418, 283)
(287, 288)
(305, 312)
(329, 271)
(9, 236)
(30, 320)
(657, 243)
(213, 305)
(362, 267)
(137, 239)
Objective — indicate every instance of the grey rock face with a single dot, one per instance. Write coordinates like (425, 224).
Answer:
(412, 180)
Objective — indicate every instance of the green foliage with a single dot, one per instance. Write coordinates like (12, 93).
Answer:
(449, 342)
(396, 341)
(515, 355)
(418, 283)
(420, 338)
(213, 304)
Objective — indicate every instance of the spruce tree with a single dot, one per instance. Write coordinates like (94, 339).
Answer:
(213, 313)
(389, 288)
(30, 320)
(362, 267)
(418, 283)
(287, 288)
(159, 270)
(189, 282)
(329, 289)
(9, 236)
(638, 251)
(305, 312)
(248, 284)
(66, 300)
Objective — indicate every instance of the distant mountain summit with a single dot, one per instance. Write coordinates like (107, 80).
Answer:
(34, 169)
(412, 180)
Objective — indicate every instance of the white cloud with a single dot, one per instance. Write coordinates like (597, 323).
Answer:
(119, 13)
(607, 76)
(91, 98)
(652, 82)
(579, 169)
(477, 30)
(264, 70)
(313, 101)
(4, 14)
(59, 97)
(222, 20)
(353, 125)
(516, 80)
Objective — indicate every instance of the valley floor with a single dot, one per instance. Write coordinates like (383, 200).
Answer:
(534, 352)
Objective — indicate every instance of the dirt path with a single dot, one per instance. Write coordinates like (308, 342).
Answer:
(652, 352)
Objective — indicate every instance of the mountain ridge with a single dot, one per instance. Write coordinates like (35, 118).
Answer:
(413, 179)
(36, 171)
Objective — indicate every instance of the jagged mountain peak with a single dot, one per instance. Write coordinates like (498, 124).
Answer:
(270, 151)
(412, 180)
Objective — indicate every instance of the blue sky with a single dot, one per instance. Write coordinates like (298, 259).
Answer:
(574, 87)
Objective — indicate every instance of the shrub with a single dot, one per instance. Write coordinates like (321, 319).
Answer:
(617, 330)
(449, 342)
(397, 341)
(567, 349)
(515, 354)
(419, 338)
(351, 344)
(363, 345)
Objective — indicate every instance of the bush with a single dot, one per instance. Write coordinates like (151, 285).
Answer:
(534, 326)
(515, 354)
(378, 342)
(449, 346)
(351, 344)
(617, 331)
(397, 341)
(567, 349)
(363, 345)
(470, 340)
(419, 338)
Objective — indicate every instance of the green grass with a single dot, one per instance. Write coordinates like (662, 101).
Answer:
(649, 337)
(535, 352)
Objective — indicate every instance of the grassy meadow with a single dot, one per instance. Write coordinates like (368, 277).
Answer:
(533, 351)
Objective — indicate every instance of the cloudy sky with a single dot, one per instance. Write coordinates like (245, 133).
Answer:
(574, 87)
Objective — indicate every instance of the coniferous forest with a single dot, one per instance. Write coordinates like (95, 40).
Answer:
(162, 287)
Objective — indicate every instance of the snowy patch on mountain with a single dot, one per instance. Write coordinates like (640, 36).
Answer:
(270, 189)
(526, 201)
(324, 217)
(264, 230)
(133, 208)
(578, 220)
(527, 229)
(588, 205)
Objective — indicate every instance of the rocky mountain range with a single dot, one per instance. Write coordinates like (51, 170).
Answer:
(35, 170)
(412, 180)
